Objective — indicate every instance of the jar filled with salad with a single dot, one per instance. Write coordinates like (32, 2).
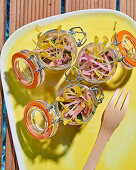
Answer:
(74, 105)
(97, 62)
(55, 50)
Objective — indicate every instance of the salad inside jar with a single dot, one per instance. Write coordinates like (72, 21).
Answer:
(76, 104)
(97, 62)
(56, 48)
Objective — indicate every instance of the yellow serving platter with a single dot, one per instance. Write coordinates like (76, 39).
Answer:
(70, 147)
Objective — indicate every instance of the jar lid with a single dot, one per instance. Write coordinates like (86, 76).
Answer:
(132, 39)
(37, 120)
(25, 70)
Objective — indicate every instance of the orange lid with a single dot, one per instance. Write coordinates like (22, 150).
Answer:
(133, 41)
(18, 73)
(28, 123)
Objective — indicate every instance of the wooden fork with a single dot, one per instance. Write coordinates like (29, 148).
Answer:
(112, 117)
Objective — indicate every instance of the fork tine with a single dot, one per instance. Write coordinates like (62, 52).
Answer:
(118, 104)
(112, 101)
(125, 104)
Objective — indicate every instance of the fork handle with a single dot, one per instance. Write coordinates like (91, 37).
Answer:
(94, 157)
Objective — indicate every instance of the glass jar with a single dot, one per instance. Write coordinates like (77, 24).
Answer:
(41, 119)
(127, 45)
(97, 68)
(96, 64)
(92, 107)
(38, 119)
(25, 69)
(29, 66)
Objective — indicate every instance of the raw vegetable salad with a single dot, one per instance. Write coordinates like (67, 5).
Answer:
(55, 47)
(75, 104)
(97, 62)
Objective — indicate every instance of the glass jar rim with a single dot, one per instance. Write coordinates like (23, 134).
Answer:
(46, 113)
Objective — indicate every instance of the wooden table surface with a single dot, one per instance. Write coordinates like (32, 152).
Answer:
(25, 11)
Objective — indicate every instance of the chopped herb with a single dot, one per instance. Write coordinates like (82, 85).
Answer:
(79, 116)
(92, 112)
(72, 90)
(77, 67)
(95, 105)
(68, 52)
(53, 41)
(111, 58)
(106, 52)
(59, 106)
(86, 49)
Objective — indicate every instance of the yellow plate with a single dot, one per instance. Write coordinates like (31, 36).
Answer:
(70, 147)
